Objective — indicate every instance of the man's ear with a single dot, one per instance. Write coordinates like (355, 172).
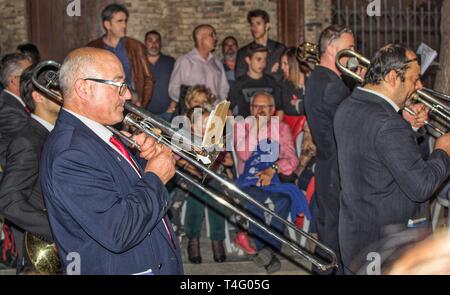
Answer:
(334, 47)
(267, 26)
(37, 97)
(391, 78)
(248, 60)
(107, 25)
(15, 81)
(82, 89)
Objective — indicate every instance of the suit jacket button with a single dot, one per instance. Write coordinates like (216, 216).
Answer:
(159, 266)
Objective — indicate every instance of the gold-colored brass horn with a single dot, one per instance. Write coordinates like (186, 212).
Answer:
(43, 255)
(308, 52)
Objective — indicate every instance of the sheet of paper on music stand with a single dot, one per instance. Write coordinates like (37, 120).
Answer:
(216, 123)
(427, 55)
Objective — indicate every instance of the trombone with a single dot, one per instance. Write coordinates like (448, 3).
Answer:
(198, 157)
(424, 95)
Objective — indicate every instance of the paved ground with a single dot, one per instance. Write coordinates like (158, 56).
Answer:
(238, 263)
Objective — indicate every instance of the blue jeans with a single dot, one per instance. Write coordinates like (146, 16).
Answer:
(282, 204)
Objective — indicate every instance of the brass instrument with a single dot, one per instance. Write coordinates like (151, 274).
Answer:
(308, 52)
(200, 156)
(424, 95)
(42, 254)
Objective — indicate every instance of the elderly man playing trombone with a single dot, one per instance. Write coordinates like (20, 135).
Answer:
(385, 183)
(107, 214)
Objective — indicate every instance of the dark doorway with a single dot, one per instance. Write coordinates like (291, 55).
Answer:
(56, 33)
(291, 22)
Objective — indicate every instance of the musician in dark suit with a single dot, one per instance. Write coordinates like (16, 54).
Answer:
(325, 90)
(21, 200)
(107, 214)
(384, 179)
(13, 114)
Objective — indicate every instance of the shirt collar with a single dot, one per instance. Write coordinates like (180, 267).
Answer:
(16, 97)
(197, 54)
(100, 130)
(44, 123)
(395, 106)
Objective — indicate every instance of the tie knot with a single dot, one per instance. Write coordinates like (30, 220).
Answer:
(114, 140)
(119, 145)
(123, 150)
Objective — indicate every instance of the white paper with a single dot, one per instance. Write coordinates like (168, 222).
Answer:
(427, 55)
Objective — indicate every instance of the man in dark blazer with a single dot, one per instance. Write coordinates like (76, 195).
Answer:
(13, 114)
(384, 179)
(325, 90)
(21, 200)
(107, 214)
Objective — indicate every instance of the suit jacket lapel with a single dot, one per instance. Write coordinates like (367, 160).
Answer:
(115, 156)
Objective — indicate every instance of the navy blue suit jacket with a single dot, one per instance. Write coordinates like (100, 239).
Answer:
(99, 208)
(384, 180)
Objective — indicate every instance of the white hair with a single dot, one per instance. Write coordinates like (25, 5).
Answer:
(10, 67)
(74, 68)
(264, 93)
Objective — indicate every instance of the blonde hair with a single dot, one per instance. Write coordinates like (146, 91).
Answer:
(195, 91)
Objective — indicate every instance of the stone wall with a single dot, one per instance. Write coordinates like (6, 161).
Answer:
(175, 19)
(13, 25)
(317, 18)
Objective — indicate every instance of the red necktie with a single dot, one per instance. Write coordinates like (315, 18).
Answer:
(119, 145)
(27, 109)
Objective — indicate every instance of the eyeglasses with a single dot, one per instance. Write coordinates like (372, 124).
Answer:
(264, 107)
(418, 59)
(123, 87)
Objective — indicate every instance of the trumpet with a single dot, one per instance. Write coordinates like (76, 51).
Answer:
(200, 157)
(424, 95)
